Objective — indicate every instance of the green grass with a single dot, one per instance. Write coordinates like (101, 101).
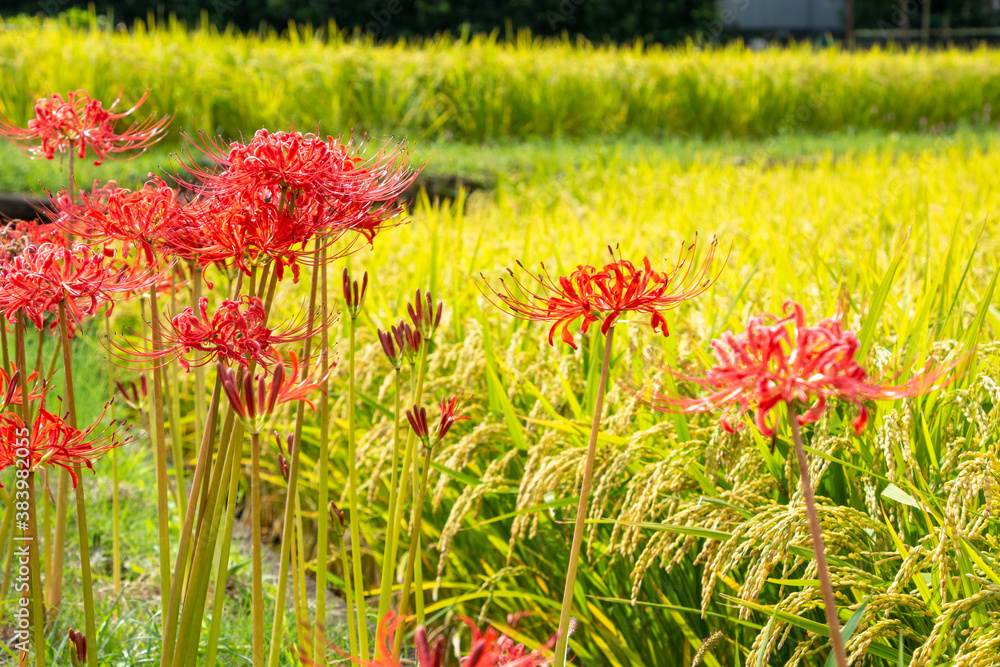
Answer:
(898, 229)
(482, 89)
(511, 159)
(818, 230)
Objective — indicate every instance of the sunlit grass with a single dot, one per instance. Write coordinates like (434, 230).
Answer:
(484, 88)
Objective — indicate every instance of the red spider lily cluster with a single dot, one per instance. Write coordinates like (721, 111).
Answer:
(782, 360)
(604, 294)
(280, 190)
(41, 277)
(236, 333)
(52, 442)
(489, 648)
(144, 219)
(78, 122)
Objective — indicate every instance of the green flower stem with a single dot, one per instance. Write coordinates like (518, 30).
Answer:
(819, 550)
(8, 517)
(189, 633)
(176, 433)
(418, 579)
(352, 495)
(116, 539)
(562, 642)
(388, 562)
(56, 355)
(197, 278)
(411, 560)
(219, 601)
(348, 593)
(223, 544)
(3, 347)
(55, 567)
(90, 619)
(35, 592)
(40, 353)
(204, 460)
(288, 527)
(160, 454)
(322, 519)
(46, 546)
(256, 556)
(286, 543)
(299, 580)
(408, 456)
(38, 611)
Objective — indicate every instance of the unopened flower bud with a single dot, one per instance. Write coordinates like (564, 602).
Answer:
(283, 467)
(417, 417)
(79, 641)
(424, 317)
(392, 353)
(337, 521)
(426, 654)
(354, 295)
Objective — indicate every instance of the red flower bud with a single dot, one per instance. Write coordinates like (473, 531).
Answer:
(80, 643)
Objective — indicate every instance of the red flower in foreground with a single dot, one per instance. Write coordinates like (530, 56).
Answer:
(36, 281)
(53, 442)
(591, 294)
(235, 333)
(489, 648)
(78, 122)
(782, 360)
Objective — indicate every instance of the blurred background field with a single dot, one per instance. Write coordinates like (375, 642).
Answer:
(866, 180)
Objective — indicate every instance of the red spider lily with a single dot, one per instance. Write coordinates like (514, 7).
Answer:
(52, 442)
(78, 122)
(10, 388)
(491, 649)
(235, 333)
(448, 417)
(254, 401)
(141, 219)
(273, 194)
(605, 294)
(417, 417)
(305, 164)
(36, 281)
(17, 235)
(781, 360)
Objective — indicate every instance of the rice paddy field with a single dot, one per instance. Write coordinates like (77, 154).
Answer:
(861, 183)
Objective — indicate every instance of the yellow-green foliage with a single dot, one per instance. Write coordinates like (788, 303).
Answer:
(819, 230)
(482, 88)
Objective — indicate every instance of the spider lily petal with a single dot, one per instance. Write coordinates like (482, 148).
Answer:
(590, 294)
(779, 360)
